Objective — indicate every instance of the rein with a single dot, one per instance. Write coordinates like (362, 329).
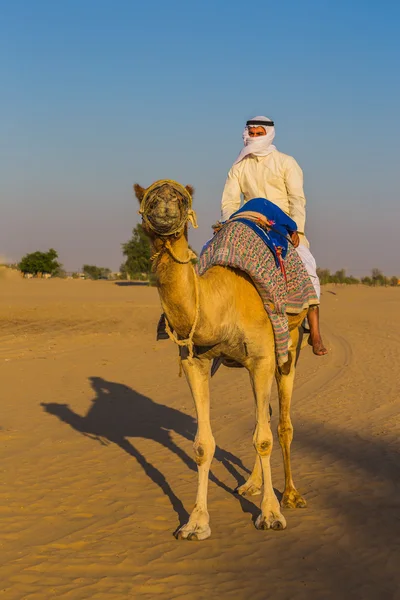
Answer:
(167, 246)
(187, 342)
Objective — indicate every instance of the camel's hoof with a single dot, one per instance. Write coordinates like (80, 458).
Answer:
(293, 500)
(274, 521)
(248, 490)
(194, 533)
(191, 537)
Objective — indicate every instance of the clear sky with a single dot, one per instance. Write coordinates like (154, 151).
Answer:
(96, 95)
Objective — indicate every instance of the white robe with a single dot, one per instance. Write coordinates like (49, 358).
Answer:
(278, 178)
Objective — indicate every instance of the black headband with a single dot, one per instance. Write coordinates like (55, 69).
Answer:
(252, 123)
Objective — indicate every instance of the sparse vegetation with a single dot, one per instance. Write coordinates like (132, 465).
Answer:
(377, 278)
(93, 272)
(137, 266)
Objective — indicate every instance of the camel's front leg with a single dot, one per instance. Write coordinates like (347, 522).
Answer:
(262, 377)
(197, 375)
(291, 497)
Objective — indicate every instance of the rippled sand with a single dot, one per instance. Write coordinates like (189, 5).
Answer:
(96, 435)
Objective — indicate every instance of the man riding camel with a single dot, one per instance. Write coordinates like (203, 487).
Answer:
(261, 171)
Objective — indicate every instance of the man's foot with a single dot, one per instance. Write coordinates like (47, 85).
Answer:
(318, 346)
(315, 339)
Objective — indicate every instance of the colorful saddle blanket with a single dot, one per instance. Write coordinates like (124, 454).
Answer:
(237, 245)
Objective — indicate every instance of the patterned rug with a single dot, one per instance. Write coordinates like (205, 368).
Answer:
(238, 246)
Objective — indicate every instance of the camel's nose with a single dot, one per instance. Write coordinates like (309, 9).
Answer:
(168, 209)
(165, 215)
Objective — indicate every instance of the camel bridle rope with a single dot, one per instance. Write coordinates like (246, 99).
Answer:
(189, 215)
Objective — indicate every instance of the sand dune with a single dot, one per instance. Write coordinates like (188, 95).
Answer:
(96, 435)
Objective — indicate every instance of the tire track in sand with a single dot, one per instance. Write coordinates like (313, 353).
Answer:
(333, 368)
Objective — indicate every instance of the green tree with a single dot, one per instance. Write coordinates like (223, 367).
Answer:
(94, 272)
(137, 251)
(40, 262)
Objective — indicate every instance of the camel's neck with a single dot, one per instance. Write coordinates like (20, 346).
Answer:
(176, 286)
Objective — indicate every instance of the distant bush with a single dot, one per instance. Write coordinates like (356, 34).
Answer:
(139, 276)
(60, 272)
(376, 279)
(93, 272)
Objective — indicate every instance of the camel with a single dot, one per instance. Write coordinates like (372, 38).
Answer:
(220, 314)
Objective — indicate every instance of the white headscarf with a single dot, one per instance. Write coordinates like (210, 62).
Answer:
(259, 146)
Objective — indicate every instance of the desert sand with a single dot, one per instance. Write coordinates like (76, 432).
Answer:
(96, 434)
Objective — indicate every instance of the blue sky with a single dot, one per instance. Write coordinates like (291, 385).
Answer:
(96, 95)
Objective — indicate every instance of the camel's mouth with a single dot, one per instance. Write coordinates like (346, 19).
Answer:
(165, 209)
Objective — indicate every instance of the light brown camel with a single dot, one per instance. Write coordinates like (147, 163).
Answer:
(224, 314)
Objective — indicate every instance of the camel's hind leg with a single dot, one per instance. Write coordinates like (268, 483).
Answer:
(197, 375)
(291, 497)
(262, 377)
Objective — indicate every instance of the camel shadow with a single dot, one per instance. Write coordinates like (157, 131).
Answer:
(118, 412)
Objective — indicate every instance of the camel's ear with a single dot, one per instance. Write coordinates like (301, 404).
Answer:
(139, 191)
(190, 189)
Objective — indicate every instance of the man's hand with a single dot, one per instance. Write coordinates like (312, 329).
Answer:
(216, 227)
(295, 239)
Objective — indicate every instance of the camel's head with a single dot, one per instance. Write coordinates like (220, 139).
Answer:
(166, 207)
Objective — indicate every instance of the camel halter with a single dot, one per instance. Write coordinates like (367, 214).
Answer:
(187, 342)
(150, 197)
(187, 214)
